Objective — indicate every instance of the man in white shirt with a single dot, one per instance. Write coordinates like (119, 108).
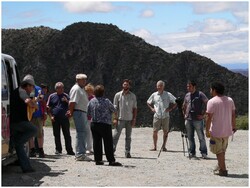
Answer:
(159, 104)
(78, 109)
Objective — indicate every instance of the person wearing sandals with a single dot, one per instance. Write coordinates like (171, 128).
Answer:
(101, 110)
(220, 124)
(159, 103)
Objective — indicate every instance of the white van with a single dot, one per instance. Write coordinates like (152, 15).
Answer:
(10, 81)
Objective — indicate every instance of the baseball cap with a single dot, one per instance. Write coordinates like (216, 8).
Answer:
(28, 79)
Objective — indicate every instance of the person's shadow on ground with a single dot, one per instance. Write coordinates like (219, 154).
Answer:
(243, 176)
(12, 174)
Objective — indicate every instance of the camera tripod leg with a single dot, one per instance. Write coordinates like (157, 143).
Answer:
(182, 136)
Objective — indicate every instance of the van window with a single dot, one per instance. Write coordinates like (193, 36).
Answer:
(4, 85)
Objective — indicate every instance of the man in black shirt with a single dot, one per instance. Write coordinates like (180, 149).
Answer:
(21, 128)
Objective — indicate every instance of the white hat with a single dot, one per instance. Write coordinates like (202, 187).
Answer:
(81, 76)
(28, 79)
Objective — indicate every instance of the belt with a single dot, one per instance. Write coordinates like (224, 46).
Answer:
(80, 110)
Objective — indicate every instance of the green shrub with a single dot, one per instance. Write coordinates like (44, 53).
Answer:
(242, 122)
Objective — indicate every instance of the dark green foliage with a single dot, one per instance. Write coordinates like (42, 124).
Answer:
(242, 122)
(108, 55)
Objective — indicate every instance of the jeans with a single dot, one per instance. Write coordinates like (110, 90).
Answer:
(81, 123)
(64, 124)
(197, 126)
(102, 131)
(22, 132)
(117, 132)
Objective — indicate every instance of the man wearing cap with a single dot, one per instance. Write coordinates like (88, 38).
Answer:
(77, 108)
(21, 128)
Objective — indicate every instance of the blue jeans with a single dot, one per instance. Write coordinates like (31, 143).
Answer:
(21, 133)
(198, 126)
(118, 129)
(81, 123)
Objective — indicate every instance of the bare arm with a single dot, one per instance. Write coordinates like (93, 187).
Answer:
(71, 109)
(151, 108)
(208, 124)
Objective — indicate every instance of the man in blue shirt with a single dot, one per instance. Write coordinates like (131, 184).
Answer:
(58, 106)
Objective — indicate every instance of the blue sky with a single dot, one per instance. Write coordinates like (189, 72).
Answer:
(217, 30)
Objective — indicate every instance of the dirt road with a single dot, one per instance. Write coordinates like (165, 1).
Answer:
(172, 168)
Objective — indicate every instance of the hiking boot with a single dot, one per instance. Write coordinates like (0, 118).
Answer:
(71, 153)
(32, 152)
(99, 163)
(127, 155)
(223, 173)
(41, 153)
(115, 164)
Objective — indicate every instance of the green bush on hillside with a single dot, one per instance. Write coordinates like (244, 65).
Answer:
(242, 122)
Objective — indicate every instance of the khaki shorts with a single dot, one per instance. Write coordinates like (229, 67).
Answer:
(218, 145)
(38, 122)
(161, 123)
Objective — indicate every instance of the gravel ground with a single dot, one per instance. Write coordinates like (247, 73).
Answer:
(172, 168)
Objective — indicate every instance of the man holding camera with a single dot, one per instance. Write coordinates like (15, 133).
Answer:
(194, 108)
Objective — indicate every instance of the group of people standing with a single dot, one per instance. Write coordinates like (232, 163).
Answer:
(93, 114)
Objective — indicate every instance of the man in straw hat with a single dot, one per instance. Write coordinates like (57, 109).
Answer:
(78, 109)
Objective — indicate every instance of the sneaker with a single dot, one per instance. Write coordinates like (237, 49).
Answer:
(90, 152)
(41, 153)
(32, 152)
(99, 163)
(204, 156)
(223, 173)
(58, 152)
(127, 155)
(192, 155)
(71, 153)
(83, 158)
(114, 164)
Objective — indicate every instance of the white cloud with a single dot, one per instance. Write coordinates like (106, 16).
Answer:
(238, 9)
(143, 33)
(242, 16)
(147, 13)
(221, 47)
(83, 6)
(212, 25)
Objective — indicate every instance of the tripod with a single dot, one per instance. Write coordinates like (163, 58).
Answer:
(184, 134)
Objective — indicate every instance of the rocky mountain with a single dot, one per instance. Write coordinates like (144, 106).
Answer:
(108, 55)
